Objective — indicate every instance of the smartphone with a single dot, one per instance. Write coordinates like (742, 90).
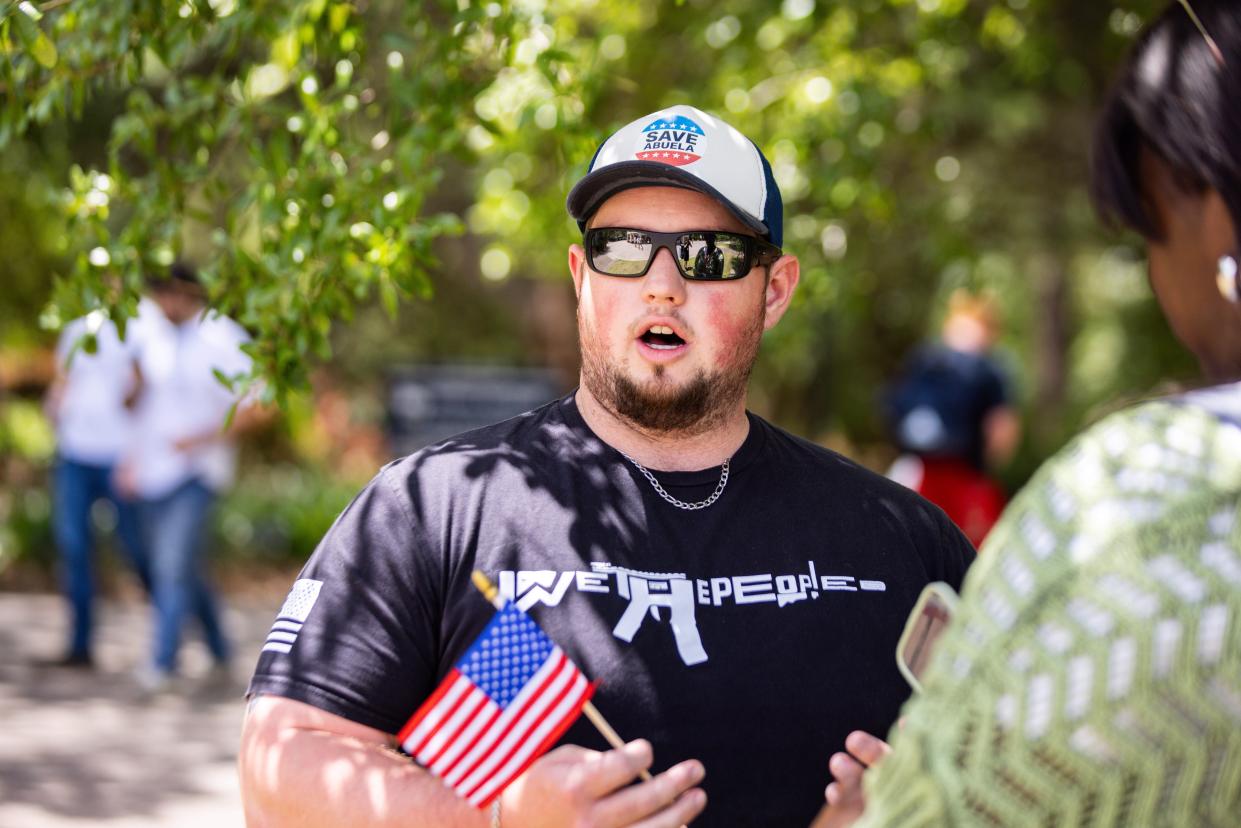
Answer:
(931, 615)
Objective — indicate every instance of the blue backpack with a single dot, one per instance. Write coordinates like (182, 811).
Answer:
(937, 407)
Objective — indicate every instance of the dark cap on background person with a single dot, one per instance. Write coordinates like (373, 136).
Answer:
(681, 146)
(181, 277)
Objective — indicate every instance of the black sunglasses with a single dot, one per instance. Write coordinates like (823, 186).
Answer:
(701, 255)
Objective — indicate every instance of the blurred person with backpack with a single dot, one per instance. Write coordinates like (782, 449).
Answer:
(951, 415)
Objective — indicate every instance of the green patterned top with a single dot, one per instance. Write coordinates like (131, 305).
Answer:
(1092, 674)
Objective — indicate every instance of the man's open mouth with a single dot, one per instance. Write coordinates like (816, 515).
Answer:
(662, 338)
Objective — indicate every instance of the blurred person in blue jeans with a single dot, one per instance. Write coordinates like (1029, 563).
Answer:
(88, 404)
(182, 456)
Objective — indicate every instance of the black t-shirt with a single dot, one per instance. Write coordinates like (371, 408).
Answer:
(753, 634)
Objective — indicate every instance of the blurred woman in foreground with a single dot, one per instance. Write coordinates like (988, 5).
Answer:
(1092, 672)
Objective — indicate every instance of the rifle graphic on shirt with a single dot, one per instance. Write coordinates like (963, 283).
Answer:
(650, 593)
(647, 592)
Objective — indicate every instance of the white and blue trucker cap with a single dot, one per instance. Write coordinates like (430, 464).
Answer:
(684, 147)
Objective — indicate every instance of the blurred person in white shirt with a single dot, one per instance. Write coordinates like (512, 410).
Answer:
(183, 456)
(88, 403)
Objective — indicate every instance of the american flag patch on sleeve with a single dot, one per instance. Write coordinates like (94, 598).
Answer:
(292, 615)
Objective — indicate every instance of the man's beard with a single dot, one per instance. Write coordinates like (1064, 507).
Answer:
(695, 407)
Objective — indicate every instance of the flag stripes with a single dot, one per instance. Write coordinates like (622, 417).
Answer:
(512, 732)
(506, 702)
(283, 633)
(503, 725)
(293, 613)
(549, 729)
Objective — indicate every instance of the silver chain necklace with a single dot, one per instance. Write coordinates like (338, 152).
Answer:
(681, 504)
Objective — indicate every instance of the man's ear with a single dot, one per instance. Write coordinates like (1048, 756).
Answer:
(577, 267)
(783, 276)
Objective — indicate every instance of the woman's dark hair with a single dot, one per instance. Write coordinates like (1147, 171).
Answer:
(1176, 99)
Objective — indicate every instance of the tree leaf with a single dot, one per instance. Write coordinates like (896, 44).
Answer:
(286, 49)
(27, 29)
(389, 296)
(44, 51)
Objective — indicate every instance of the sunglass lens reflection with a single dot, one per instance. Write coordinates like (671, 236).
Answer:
(701, 255)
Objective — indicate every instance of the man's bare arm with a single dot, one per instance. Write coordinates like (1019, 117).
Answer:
(1001, 436)
(302, 766)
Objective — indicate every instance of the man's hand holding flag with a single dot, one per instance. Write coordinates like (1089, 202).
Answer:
(506, 701)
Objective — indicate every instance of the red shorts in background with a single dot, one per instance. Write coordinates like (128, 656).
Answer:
(971, 499)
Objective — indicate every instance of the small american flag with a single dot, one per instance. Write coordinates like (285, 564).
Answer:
(507, 700)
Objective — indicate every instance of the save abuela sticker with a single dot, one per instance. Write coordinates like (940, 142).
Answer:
(676, 141)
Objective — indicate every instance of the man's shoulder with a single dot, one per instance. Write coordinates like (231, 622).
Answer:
(815, 462)
(1142, 430)
(540, 432)
(219, 329)
(832, 491)
(801, 449)
(1140, 461)
(75, 327)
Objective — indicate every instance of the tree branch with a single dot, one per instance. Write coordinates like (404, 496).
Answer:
(87, 73)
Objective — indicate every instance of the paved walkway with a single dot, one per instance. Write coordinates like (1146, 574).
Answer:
(86, 748)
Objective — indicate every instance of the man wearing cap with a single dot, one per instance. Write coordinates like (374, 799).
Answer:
(737, 593)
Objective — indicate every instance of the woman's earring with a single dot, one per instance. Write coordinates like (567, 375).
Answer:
(1226, 279)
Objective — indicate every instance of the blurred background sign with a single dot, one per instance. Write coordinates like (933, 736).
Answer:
(426, 403)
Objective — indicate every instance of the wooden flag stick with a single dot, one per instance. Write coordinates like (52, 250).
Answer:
(489, 591)
(483, 584)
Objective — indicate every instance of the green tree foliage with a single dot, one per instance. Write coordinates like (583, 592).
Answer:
(291, 146)
(921, 147)
(312, 151)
